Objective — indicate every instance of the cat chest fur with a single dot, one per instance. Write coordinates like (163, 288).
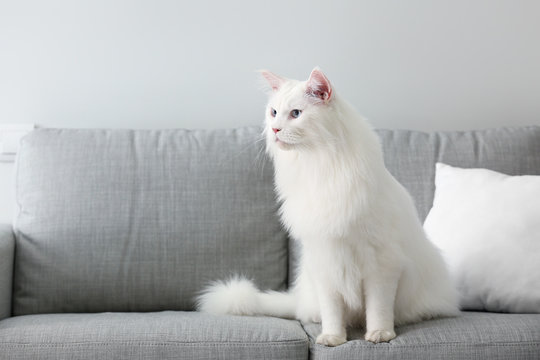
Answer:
(319, 201)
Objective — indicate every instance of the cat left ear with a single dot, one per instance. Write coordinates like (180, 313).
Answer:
(274, 80)
(319, 86)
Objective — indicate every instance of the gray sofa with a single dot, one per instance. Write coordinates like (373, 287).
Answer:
(118, 230)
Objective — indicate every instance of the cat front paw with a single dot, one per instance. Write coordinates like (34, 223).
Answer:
(331, 340)
(377, 336)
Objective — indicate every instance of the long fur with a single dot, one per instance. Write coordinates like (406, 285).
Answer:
(365, 258)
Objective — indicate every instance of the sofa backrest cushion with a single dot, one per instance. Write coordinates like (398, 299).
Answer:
(411, 155)
(140, 220)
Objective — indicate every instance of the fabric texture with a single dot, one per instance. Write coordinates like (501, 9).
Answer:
(7, 252)
(469, 336)
(487, 225)
(411, 155)
(124, 220)
(161, 335)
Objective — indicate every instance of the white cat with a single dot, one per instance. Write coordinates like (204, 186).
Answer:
(365, 258)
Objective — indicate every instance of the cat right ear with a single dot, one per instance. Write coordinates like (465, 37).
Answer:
(273, 80)
(318, 86)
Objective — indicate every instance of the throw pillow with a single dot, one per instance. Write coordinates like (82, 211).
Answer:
(487, 225)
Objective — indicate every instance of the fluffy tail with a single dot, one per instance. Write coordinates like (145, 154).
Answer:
(239, 296)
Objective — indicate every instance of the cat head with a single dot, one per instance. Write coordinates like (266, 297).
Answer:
(299, 113)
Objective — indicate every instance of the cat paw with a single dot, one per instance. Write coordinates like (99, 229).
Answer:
(377, 336)
(331, 340)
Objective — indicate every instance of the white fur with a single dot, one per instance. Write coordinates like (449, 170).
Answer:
(365, 258)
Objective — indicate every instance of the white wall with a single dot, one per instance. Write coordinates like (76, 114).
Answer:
(418, 64)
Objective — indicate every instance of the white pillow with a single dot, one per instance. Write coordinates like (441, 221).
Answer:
(487, 225)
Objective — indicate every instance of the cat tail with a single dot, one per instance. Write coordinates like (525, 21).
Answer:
(239, 296)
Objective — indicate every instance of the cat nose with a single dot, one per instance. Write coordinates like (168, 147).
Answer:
(275, 130)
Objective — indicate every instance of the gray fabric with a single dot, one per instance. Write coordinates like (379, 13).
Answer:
(411, 155)
(123, 220)
(7, 248)
(163, 335)
(470, 336)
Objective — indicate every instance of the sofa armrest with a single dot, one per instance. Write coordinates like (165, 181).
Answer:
(7, 252)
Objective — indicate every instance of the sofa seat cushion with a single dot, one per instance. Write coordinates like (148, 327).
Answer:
(472, 335)
(158, 335)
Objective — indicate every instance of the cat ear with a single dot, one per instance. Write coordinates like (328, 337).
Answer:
(319, 86)
(274, 80)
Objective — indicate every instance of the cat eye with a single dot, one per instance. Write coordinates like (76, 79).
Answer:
(273, 112)
(296, 113)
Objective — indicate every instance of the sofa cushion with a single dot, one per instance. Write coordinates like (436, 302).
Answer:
(469, 336)
(411, 155)
(486, 225)
(162, 335)
(123, 220)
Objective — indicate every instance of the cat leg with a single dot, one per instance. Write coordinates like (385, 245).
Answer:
(308, 310)
(332, 317)
(380, 292)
